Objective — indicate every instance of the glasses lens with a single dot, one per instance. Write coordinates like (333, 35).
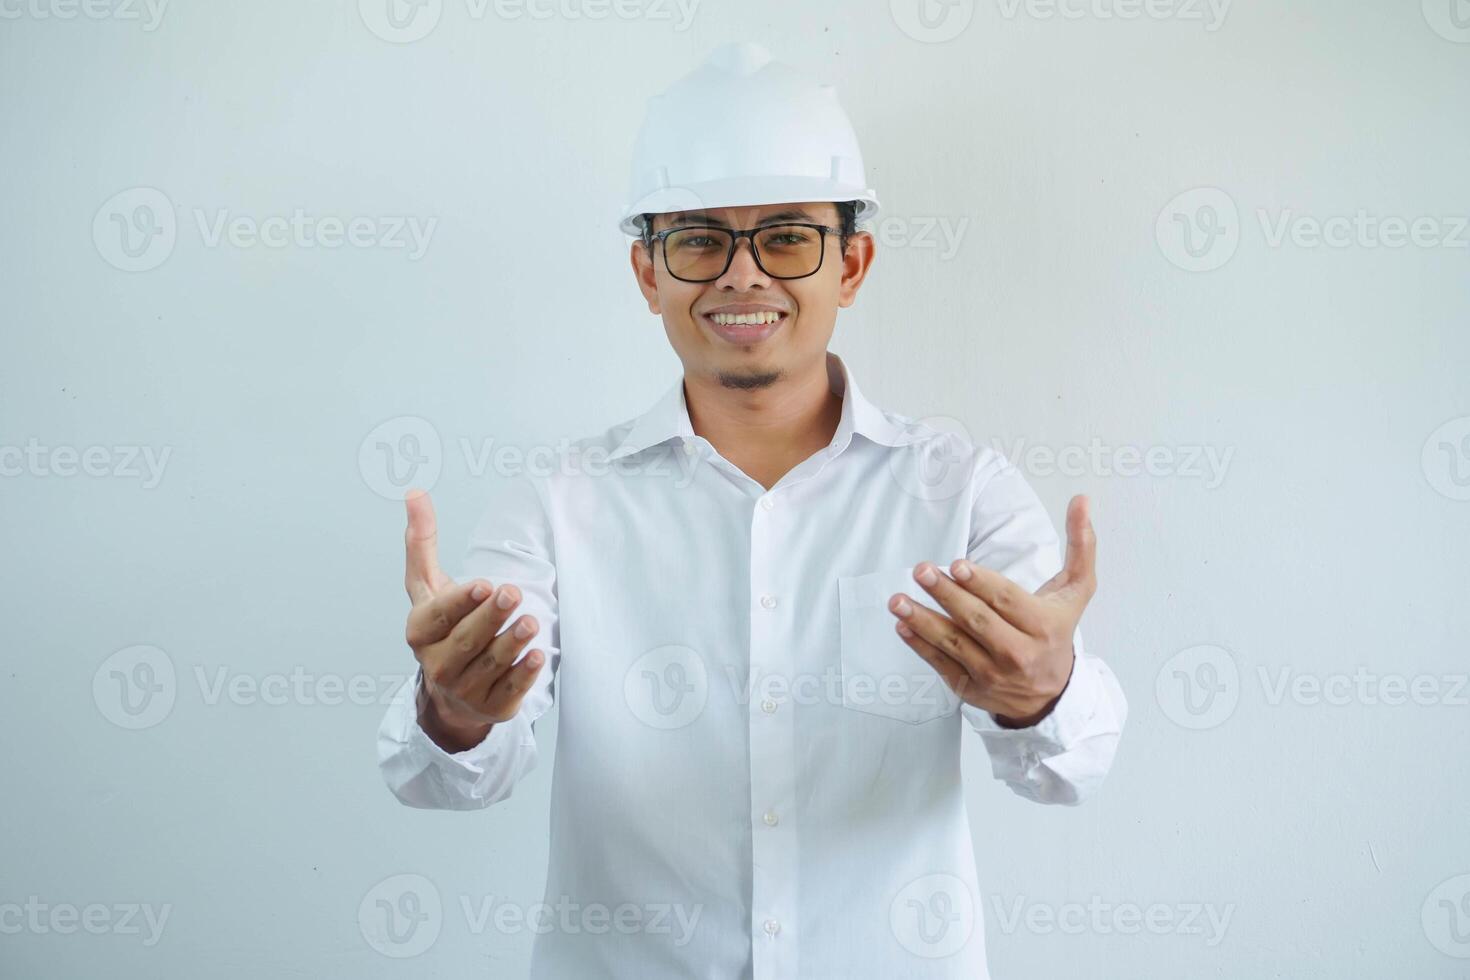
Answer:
(789, 251)
(697, 253)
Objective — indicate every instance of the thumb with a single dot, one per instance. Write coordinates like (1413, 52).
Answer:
(1079, 571)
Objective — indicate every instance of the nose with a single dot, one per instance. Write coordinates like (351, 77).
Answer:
(743, 272)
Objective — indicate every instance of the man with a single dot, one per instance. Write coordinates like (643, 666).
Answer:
(770, 614)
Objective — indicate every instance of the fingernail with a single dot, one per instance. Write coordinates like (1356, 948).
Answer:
(533, 659)
(524, 629)
(902, 607)
(904, 631)
(478, 592)
(926, 575)
(961, 570)
(505, 600)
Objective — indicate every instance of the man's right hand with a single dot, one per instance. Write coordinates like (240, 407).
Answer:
(469, 684)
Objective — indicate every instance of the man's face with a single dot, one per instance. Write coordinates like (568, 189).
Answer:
(752, 355)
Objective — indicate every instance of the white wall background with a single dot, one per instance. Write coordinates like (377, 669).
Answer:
(1327, 840)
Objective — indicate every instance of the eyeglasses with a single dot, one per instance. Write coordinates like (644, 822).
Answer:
(702, 253)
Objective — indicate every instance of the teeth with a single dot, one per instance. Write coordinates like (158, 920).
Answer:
(767, 316)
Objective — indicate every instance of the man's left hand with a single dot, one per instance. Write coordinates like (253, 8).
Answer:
(1002, 648)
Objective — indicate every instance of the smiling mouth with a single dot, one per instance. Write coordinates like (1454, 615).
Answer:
(744, 328)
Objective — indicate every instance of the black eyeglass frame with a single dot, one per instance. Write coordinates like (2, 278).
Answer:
(738, 233)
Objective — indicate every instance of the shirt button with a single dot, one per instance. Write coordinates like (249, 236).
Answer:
(768, 706)
(769, 601)
(690, 447)
(770, 818)
(772, 927)
(767, 503)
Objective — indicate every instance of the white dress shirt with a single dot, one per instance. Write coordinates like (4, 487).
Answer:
(754, 776)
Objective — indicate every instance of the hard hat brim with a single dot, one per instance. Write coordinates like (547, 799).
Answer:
(745, 192)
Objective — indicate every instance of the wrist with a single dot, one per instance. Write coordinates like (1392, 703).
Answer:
(448, 735)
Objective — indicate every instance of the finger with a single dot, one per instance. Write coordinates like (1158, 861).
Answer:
(1079, 572)
(509, 689)
(941, 632)
(971, 613)
(1010, 601)
(431, 621)
(422, 574)
(499, 653)
(474, 633)
(960, 680)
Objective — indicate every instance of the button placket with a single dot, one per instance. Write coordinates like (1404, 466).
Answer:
(772, 756)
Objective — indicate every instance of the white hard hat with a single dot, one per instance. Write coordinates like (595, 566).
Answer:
(743, 129)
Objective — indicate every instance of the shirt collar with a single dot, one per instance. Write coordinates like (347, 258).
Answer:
(669, 417)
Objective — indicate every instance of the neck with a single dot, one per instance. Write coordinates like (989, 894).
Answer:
(768, 430)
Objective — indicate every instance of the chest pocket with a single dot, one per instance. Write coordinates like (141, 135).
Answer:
(881, 675)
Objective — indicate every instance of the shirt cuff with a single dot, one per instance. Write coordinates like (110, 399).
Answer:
(417, 754)
(1068, 722)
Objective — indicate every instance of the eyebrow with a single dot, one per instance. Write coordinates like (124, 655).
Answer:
(701, 219)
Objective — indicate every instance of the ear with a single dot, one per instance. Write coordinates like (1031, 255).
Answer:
(645, 274)
(856, 262)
